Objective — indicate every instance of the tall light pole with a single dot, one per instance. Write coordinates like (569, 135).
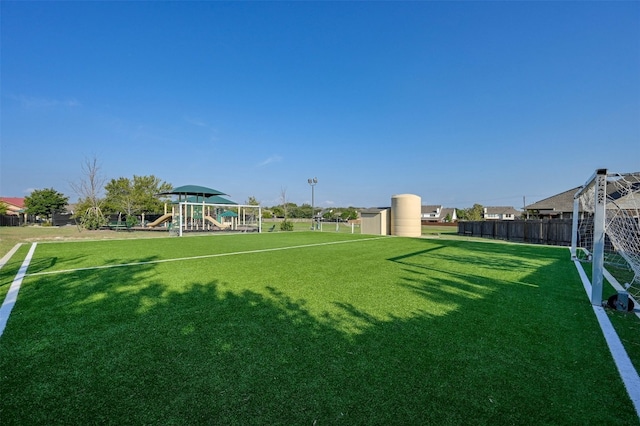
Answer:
(313, 183)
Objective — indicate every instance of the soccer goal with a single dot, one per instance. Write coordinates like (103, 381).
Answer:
(606, 231)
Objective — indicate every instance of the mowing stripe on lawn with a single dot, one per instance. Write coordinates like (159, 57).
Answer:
(205, 256)
(12, 295)
(7, 256)
(627, 372)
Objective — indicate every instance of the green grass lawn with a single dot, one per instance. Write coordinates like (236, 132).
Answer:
(11, 235)
(305, 328)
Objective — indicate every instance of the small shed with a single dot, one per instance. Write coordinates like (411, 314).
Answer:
(375, 221)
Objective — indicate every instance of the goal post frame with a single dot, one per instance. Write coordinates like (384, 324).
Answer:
(599, 180)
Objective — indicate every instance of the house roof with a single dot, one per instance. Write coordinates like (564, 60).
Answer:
(622, 197)
(437, 213)
(374, 210)
(501, 210)
(562, 202)
(451, 211)
(431, 209)
(13, 203)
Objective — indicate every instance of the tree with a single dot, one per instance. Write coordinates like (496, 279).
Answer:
(285, 225)
(145, 190)
(44, 202)
(252, 201)
(283, 201)
(89, 189)
(304, 211)
(330, 214)
(3, 207)
(135, 196)
(277, 211)
(349, 213)
(295, 211)
(119, 196)
(474, 213)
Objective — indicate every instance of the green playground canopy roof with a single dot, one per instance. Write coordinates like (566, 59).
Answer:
(214, 199)
(196, 190)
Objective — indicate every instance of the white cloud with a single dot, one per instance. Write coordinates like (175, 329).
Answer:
(272, 159)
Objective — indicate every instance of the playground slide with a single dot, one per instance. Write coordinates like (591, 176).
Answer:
(215, 222)
(161, 219)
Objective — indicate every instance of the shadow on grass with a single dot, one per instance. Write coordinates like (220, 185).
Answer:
(47, 263)
(98, 347)
(10, 269)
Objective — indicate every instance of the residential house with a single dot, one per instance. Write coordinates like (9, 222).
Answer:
(626, 193)
(559, 206)
(438, 214)
(500, 213)
(15, 205)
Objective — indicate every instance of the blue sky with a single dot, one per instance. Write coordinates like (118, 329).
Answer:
(457, 102)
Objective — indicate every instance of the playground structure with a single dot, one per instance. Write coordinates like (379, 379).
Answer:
(159, 221)
(202, 216)
(203, 209)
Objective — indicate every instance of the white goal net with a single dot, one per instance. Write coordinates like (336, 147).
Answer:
(606, 230)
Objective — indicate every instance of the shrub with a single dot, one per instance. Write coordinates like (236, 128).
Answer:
(93, 219)
(131, 221)
(285, 225)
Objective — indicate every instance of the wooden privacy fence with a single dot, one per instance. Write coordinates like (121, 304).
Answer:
(555, 232)
(10, 220)
(57, 219)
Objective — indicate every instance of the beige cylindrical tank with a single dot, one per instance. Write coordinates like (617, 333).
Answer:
(406, 210)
